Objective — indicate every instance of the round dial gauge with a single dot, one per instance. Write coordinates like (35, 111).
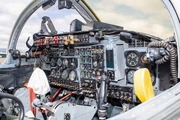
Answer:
(82, 66)
(94, 73)
(132, 59)
(88, 67)
(72, 75)
(82, 58)
(64, 74)
(53, 72)
(100, 64)
(88, 59)
(65, 52)
(88, 74)
(98, 73)
(58, 74)
(82, 74)
(110, 75)
(65, 62)
(81, 52)
(53, 62)
(59, 62)
(88, 51)
(95, 63)
(73, 62)
(130, 76)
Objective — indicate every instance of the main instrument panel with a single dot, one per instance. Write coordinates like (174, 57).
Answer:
(76, 61)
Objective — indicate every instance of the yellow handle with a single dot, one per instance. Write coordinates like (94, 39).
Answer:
(142, 85)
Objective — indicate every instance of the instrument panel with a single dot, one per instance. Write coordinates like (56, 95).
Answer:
(79, 66)
(134, 61)
(86, 64)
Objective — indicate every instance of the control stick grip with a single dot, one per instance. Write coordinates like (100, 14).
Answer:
(102, 98)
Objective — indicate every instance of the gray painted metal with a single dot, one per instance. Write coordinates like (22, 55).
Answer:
(23, 95)
(77, 112)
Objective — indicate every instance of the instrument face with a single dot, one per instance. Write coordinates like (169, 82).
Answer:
(132, 59)
(64, 74)
(53, 62)
(65, 62)
(59, 62)
(58, 74)
(130, 76)
(72, 75)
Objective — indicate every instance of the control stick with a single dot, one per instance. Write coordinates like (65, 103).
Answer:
(102, 98)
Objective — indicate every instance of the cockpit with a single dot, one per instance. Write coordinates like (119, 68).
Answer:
(91, 70)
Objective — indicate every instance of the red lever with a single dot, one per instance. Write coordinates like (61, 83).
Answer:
(66, 96)
(55, 95)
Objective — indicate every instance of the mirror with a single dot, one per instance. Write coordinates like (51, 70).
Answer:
(64, 4)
